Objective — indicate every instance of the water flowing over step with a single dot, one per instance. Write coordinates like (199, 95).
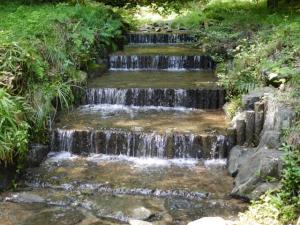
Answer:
(136, 176)
(160, 62)
(142, 132)
(99, 189)
(180, 89)
(138, 144)
(169, 58)
(193, 98)
(159, 38)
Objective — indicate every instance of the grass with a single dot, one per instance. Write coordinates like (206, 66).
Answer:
(253, 45)
(44, 49)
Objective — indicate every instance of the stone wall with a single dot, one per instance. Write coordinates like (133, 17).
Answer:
(256, 161)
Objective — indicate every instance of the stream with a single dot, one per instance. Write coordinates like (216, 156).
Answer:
(148, 142)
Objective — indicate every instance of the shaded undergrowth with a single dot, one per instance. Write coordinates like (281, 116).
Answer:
(44, 50)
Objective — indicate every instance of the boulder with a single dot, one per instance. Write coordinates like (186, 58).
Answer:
(209, 221)
(7, 175)
(262, 188)
(270, 139)
(254, 170)
(279, 116)
(238, 156)
(139, 222)
(36, 154)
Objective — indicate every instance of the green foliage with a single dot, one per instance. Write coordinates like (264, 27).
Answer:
(13, 127)
(43, 48)
(168, 5)
(233, 106)
(253, 46)
(290, 193)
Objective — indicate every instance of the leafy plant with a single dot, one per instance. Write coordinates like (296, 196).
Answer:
(43, 50)
(14, 130)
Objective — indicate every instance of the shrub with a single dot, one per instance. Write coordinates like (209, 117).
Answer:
(43, 48)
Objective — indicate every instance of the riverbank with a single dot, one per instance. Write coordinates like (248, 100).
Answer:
(46, 51)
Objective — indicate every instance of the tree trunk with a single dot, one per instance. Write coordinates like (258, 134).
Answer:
(272, 4)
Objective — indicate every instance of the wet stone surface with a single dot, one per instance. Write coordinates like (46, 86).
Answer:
(162, 79)
(143, 119)
(169, 89)
(142, 132)
(70, 190)
(160, 50)
(166, 37)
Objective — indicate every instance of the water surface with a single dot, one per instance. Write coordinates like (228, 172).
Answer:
(101, 189)
(163, 79)
(146, 119)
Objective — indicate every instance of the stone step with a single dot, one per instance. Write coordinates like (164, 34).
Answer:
(159, 37)
(142, 132)
(170, 58)
(155, 79)
(166, 50)
(180, 89)
(166, 97)
(133, 176)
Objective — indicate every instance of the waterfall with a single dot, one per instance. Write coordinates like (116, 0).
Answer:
(113, 140)
(184, 145)
(219, 147)
(138, 144)
(105, 96)
(168, 97)
(159, 38)
(160, 62)
(63, 140)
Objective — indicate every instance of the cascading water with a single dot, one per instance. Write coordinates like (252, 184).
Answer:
(143, 145)
(159, 38)
(138, 144)
(63, 141)
(105, 96)
(159, 62)
(193, 98)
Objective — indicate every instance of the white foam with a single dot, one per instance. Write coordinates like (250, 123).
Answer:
(215, 163)
(144, 162)
(60, 156)
(141, 162)
(111, 108)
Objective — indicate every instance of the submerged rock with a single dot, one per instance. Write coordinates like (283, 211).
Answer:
(25, 197)
(139, 222)
(209, 221)
(141, 213)
(53, 217)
